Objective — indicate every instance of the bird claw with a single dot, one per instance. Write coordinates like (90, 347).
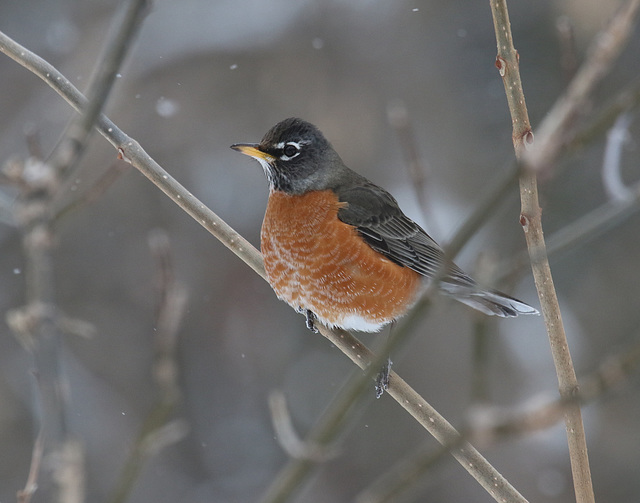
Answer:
(382, 379)
(310, 320)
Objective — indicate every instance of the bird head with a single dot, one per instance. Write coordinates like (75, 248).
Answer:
(296, 157)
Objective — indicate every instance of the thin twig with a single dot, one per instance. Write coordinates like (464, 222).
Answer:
(583, 230)
(25, 494)
(158, 430)
(123, 30)
(612, 181)
(596, 222)
(559, 125)
(489, 424)
(289, 439)
(101, 185)
(626, 100)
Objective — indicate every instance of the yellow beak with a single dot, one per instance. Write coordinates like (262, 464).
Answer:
(253, 150)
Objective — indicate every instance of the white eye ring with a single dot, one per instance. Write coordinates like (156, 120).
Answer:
(290, 150)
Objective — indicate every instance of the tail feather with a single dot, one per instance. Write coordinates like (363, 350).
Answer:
(489, 302)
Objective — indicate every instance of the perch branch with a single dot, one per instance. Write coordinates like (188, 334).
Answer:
(325, 431)
(489, 425)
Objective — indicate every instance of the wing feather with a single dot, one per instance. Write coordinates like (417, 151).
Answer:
(376, 215)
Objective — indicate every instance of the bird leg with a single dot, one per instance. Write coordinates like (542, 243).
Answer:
(311, 319)
(382, 379)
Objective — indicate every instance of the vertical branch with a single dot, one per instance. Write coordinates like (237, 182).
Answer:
(554, 132)
(24, 495)
(36, 325)
(158, 429)
(507, 63)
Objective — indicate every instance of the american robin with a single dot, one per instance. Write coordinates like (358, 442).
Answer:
(338, 248)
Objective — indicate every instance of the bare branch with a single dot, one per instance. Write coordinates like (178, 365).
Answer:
(123, 30)
(108, 178)
(488, 425)
(626, 100)
(583, 230)
(25, 495)
(611, 177)
(559, 125)
(158, 430)
(69, 472)
(552, 136)
(289, 439)
(131, 151)
(172, 306)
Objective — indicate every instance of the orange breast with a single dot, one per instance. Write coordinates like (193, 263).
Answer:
(314, 261)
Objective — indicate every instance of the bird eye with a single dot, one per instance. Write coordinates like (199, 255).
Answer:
(290, 150)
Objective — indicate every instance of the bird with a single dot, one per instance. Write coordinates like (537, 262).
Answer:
(338, 248)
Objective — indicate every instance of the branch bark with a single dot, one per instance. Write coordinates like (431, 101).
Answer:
(553, 135)
(507, 63)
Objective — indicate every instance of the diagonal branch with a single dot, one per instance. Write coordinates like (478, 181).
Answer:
(559, 125)
(489, 425)
(122, 33)
(584, 229)
(326, 429)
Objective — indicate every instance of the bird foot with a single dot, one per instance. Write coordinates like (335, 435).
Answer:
(382, 379)
(310, 320)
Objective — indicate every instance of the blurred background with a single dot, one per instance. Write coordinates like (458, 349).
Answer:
(203, 75)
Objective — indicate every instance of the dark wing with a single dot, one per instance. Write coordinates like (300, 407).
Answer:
(376, 215)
